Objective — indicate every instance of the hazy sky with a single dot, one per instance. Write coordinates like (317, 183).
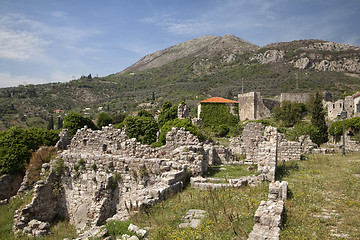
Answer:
(58, 40)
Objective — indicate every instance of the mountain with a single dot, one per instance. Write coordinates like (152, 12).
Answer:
(192, 71)
(207, 46)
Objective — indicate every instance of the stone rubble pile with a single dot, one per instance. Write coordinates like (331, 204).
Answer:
(268, 216)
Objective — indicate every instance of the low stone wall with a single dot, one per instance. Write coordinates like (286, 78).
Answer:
(268, 216)
(210, 183)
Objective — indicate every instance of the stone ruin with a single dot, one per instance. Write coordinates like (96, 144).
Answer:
(105, 175)
(257, 142)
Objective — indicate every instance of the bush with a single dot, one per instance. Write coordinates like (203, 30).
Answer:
(299, 130)
(74, 121)
(179, 123)
(143, 128)
(103, 119)
(289, 113)
(16, 146)
(222, 130)
(168, 113)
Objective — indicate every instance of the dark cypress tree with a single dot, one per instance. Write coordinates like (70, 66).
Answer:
(50, 125)
(59, 123)
(318, 120)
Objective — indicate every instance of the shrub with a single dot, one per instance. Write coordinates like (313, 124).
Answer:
(179, 123)
(168, 113)
(289, 113)
(103, 119)
(222, 130)
(16, 145)
(74, 121)
(143, 128)
(300, 129)
(59, 167)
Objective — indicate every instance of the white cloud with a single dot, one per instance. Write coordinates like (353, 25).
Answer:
(19, 44)
(23, 38)
(8, 80)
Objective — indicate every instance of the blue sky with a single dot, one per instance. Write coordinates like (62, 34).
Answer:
(45, 41)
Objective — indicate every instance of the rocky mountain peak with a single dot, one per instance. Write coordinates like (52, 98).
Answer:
(201, 47)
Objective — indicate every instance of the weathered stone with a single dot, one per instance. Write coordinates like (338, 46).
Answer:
(9, 185)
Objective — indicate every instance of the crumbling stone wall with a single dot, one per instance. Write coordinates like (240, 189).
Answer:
(293, 97)
(9, 185)
(107, 175)
(255, 139)
(268, 216)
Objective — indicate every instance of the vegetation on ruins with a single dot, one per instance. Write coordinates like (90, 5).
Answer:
(218, 118)
(74, 121)
(16, 145)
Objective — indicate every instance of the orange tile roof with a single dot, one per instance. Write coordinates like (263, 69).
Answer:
(218, 100)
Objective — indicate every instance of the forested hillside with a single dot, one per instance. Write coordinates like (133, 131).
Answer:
(215, 67)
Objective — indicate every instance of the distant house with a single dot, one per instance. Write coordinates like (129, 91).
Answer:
(58, 111)
(218, 100)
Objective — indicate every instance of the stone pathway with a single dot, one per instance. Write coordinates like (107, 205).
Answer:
(192, 218)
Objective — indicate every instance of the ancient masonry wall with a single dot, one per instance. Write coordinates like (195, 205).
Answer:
(256, 140)
(268, 216)
(108, 175)
(251, 106)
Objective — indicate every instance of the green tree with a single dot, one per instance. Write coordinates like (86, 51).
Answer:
(16, 146)
(118, 118)
(59, 123)
(179, 123)
(74, 121)
(103, 119)
(318, 119)
(50, 125)
(168, 113)
(289, 113)
(143, 128)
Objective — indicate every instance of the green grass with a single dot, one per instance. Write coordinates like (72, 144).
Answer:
(230, 171)
(230, 213)
(59, 229)
(324, 197)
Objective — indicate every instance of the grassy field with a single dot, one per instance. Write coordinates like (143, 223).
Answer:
(324, 199)
(230, 213)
